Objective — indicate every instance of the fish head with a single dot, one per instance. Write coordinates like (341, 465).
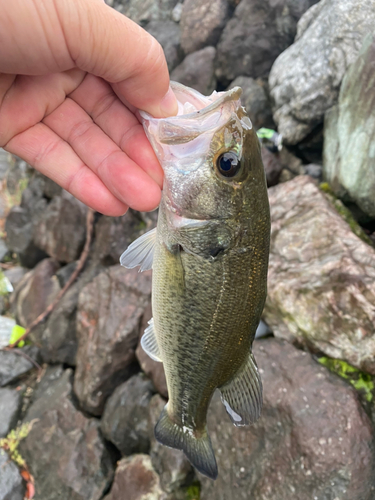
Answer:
(210, 155)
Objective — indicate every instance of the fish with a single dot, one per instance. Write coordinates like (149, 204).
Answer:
(209, 261)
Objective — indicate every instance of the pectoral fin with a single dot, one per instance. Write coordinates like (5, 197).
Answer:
(149, 343)
(140, 252)
(242, 396)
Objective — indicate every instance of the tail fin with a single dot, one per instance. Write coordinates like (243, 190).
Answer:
(198, 450)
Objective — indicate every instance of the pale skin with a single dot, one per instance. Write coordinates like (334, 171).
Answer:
(72, 75)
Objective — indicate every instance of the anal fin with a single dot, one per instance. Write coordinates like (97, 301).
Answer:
(149, 343)
(242, 396)
(140, 252)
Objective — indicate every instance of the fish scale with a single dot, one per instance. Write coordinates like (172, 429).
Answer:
(209, 259)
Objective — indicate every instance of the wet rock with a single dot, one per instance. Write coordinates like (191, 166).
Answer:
(144, 11)
(114, 234)
(61, 229)
(64, 450)
(313, 439)
(321, 281)
(255, 100)
(135, 479)
(11, 484)
(272, 166)
(202, 23)
(125, 417)
(13, 366)
(256, 34)
(168, 34)
(10, 406)
(110, 311)
(197, 71)
(349, 163)
(173, 467)
(35, 292)
(305, 79)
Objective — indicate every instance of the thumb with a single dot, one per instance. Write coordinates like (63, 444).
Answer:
(107, 44)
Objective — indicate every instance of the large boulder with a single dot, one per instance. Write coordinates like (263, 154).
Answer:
(110, 311)
(321, 281)
(257, 33)
(305, 79)
(349, 156)
(312, 441)
(202, 23)
(197, 71)
(64, 449)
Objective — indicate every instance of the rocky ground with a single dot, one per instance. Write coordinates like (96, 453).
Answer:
(78, 403)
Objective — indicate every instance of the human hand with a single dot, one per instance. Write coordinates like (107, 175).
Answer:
(72, 74)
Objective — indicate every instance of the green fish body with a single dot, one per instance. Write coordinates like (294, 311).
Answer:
(209, 255)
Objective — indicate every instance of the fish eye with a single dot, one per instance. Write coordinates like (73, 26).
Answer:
(228, 164)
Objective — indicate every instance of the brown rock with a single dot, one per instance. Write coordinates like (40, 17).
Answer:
(321, 282)
(135, 479)
(110, 311)
(313, 440)
(272, 166)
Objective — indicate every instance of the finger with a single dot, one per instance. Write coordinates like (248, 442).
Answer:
(29, 99)
(97, 98)
(122, 176)
(53, 157)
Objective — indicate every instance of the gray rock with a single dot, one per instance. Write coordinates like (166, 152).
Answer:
(37, 289)
(64, 450)
(315, 171)
(61, 230)
(197, 71)
(321, 280)
(10, 406)
(177, 12)
(257, 33)
(15, 274)
(305, 79)
(255, 100)
(202, 23)
(144, 11)
(11, 484)
(349, 159)
(13, 366)
(3, 249)
(110, 311)
(313, 439)
(125, 417)
(154, 370)
(173, 467)
(46, 386)
(135, 479)
(6, 162)
(168, 34)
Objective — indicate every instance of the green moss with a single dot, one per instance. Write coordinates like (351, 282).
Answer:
(363, 382)
(345, 213)
(193, 492)
(12, 441)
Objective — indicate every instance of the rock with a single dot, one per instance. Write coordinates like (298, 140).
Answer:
(13, 366)
(125, 417)
(177, 13)
(110, 310)
(321, 281)
(10, 406)
(197, 71)
(256, 34)
(15, 274)
(6, 162)
(114, 234)
(46, 386)
(64, 450)
(349, 160)
(272, 166)
(3, 249)
(313, 439)
(61, 230)
(202, 23)
(173, 467)
(35, 292)
(315, 171)
(168, 34)
(144, 11)
(255, 100)
(305, 79)
(11, 484)
(135, 479)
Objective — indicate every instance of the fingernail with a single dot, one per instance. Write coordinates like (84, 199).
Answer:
(168, 105)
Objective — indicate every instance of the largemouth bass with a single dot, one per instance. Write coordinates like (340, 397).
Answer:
(209, 255)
